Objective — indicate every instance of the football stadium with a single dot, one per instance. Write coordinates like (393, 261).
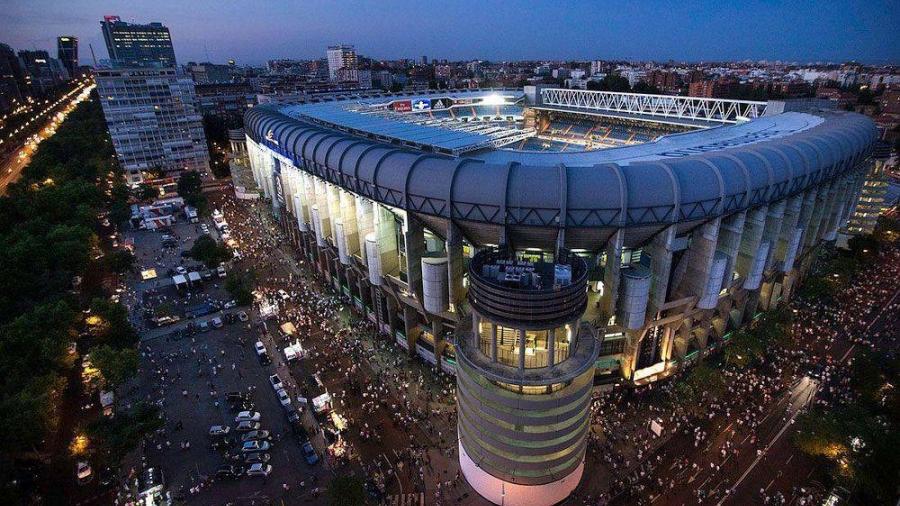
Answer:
(539, 242)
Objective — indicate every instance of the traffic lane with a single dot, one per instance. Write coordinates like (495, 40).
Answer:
(777, 446)
(707, 476)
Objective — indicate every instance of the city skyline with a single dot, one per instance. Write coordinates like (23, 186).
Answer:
(816, 32)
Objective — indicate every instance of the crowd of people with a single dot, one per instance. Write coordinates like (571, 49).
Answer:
(389, 400)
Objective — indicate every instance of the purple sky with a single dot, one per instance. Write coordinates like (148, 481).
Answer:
(254, 31)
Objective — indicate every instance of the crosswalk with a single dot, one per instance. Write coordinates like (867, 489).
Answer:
(411, 499)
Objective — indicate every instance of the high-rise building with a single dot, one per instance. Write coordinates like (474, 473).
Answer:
(154, 120)
(67, 52)
(42, 72)
(341, 57)
(12, 79)
(133, 45)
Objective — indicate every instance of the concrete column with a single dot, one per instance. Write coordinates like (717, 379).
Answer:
(754, 226)
(333, 198)
(365, 223)
(521, 349)
(611, 274)
(391, 309)
(414, 237)
(493, 342)
(456, 266)
(348, 218)
(819, 216)
(789, 237)
(412, 329)
(837, 213)
(774, 224)
(807, 210)
(730, 243)
(551, 347)
(699, 259)
(660, 251)
(386, 238)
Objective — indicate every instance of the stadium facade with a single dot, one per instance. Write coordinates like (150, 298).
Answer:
(536, 242)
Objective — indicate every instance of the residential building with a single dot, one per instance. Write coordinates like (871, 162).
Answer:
(342, 57)
(154, 120)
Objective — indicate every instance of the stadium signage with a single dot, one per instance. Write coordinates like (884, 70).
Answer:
(439, 104)
(402, 105)
(421, 104)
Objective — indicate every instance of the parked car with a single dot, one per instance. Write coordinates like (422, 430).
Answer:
(259, 470)
(84, 473)
(283, 397)
(219, 430)
(217, 322)
(229, 472)
(256, 458)
(260, 348)
(256, 434)
(284, 295)
(242, 316)
(247, 426)
(276, 382)
(204, 327)
(309, 453)
(230, 304)
(247, 416)
(220, 270)
(180, 269)
(255, 446)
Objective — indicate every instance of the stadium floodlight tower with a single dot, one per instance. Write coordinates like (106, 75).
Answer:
(524, 377)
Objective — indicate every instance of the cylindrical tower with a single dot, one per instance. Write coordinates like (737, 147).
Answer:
(524, 378)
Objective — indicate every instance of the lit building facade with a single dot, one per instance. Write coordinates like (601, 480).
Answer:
(154, 119)
(342, 57)
(529, 274)
(136, 45)
(67, 53)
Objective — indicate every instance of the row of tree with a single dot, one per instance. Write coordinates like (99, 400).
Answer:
(54, 283)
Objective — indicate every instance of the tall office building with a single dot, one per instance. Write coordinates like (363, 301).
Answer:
(42, 73)
(342, 57)
(67, 52)
(133, 45)
(12, 79)
(154, 120)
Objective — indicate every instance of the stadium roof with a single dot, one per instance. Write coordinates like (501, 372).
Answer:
(362, 116)
(685, 177)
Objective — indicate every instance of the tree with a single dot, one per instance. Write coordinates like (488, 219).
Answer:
(240, 287)
(116, 366)
(109, 324)
(147, 192)
(189, 188)
(208, 251)
(120, 261)
(118, 435)
(346, 491)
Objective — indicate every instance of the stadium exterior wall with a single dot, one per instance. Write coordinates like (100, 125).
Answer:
(755, 212)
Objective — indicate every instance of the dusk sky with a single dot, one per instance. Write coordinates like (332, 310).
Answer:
(252, 32)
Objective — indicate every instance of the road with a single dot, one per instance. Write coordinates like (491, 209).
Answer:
(13, 165)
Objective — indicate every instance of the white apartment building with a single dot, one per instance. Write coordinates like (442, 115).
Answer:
(154, 119)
